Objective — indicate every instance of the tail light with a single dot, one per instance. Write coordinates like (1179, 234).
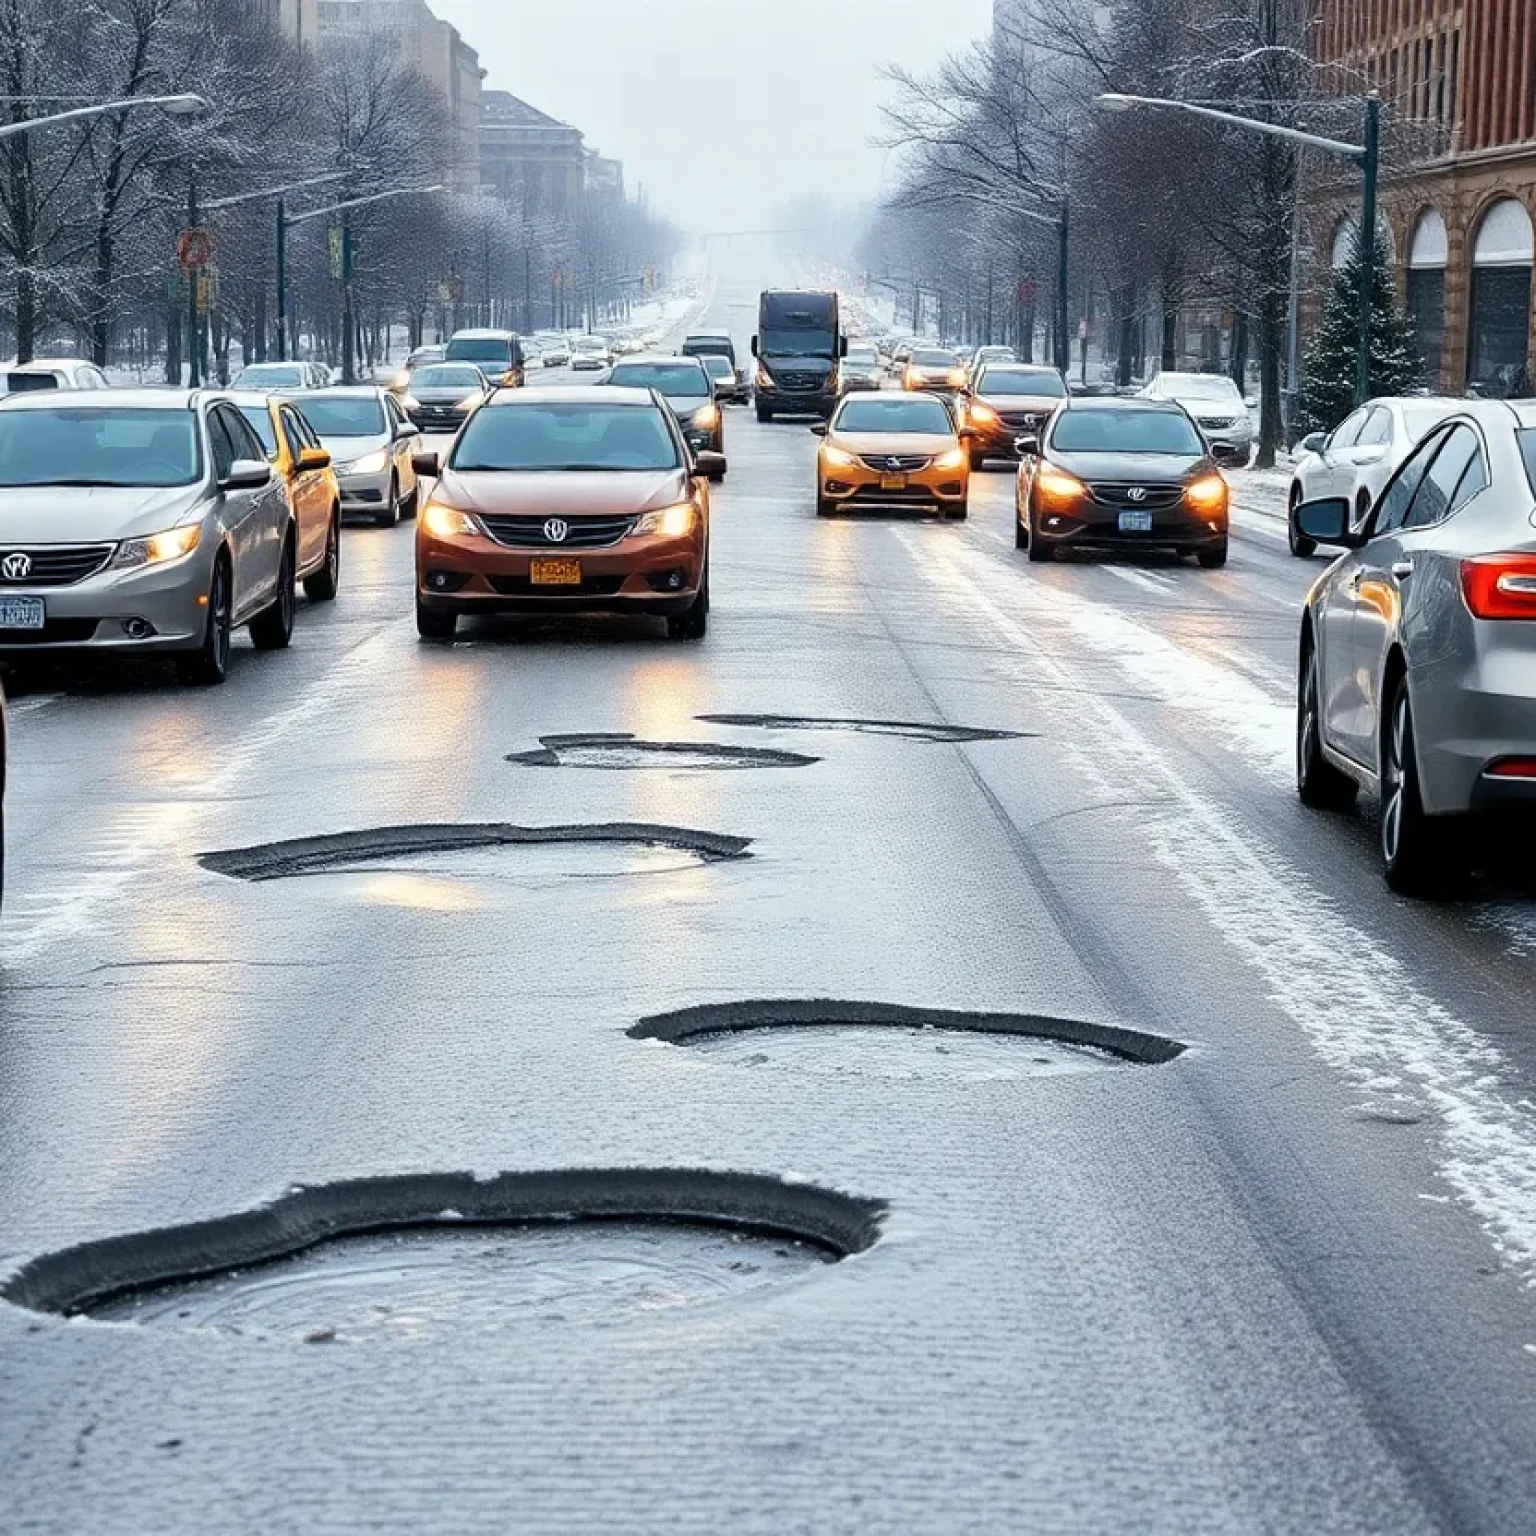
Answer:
(1500, 586)
(1512, 768)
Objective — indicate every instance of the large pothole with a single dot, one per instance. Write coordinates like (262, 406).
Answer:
(407, 1256)
(618, 750)
(410, 845)
(886, 1040)
(915, 730)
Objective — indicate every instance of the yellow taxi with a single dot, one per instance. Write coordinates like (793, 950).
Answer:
(304, 466)
(893, 450)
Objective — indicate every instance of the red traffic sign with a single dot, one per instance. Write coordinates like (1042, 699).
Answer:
(194, 248)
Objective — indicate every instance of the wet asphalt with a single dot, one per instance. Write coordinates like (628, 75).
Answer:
(1276, 1280)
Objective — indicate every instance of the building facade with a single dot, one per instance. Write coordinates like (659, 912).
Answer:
(529, 158)
(1457, 80)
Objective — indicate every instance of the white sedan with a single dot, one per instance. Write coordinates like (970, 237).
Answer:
(1359, 456)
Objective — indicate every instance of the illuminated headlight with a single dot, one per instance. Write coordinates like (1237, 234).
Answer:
(957, 377)
(706, 418)
(173, 544)
(447, 522)
(369, 464)
(839, 457)
(985, 414)
(1058, 485)
(1207, 494)
(765, 379)
(953, 459)
(671, 522)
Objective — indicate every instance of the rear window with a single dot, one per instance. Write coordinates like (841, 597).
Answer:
(1090, 431)
(23, 383)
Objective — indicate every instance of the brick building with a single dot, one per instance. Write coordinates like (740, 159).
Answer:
(1457, 80)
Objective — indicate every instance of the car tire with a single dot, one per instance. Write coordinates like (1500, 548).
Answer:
(208, 665)
(764, 414)
(1422, 855)
(978, 462)
(1320, 786)
(272, 628)
(1040, 553)
(321, 586)
(435, 623)
(694, 624)
(1303, 548)
(1020, 533)
(957, 514)
(1213, 557)
(390, 517)
(825, 506)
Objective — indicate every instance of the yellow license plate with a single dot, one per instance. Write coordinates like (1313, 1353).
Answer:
(555, 573)
(893, 482)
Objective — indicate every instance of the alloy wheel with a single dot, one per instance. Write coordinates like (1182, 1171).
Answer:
(1394, 780)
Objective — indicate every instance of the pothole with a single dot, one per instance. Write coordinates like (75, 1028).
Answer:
(410, 1256)
(373, 846)
(616, 750)
(887, 1040)
(915, 730)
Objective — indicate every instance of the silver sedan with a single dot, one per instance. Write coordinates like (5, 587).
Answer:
(372, 443)
(1418, 646)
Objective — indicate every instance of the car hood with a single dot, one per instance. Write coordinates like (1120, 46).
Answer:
(1138, 468)
(570, 493)
(344, 449)
(1222, 410)
(880, 444)
(1039, 405)
(76, 514)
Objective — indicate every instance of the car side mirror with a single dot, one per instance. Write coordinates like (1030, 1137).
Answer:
(754, 346)
(403, 431)
(819, 430)
(247, 475)
(314, 458)
(1326, 521)
(428, 464)
(1027, 447)
(842, 346)
(711, 465)
(1313, 442)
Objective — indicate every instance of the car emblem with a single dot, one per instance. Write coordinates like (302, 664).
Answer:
(1136, 493)
(893, 463)
(16, 567)
(556, 529)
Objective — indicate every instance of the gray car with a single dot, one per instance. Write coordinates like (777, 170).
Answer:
(1418, 646)
(144, 521)
(1217, 407)
(443, 395)
(685, 384)
(371, 443)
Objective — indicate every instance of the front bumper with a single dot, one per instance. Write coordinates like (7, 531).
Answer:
(438, 418)
(995, 439)
(859, 485)
(1093, 527)
(589, 364)
(1229, 445)
(368, 494)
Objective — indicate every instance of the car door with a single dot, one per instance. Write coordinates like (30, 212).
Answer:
(1334, 474)
(402, 448)
(1369, 450)
(310, 494)
(240, 511)
(264, 521)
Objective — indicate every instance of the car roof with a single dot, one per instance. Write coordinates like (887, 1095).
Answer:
(482, 334)
(649, 359)
(1183, 377)
(1121, 403)
(120, 399)
(568, 394)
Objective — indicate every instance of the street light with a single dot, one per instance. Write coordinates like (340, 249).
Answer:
(1366, 155)
(186, 105)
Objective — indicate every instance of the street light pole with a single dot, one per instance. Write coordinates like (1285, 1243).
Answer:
(194, 283)
(182, 105)
(348, 317)
(1063, 340)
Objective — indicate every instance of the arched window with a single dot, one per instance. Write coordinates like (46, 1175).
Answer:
(1426, 288)
(1500, 330)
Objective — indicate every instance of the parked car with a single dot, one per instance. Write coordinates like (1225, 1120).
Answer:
(892, 450)
(564, 501)
(859, 368)
(1216, 406)
(1005, 401)
(371, 444)
(729, 384)
(684, 383)
(1120, 474)
(44, 373)
(303, 465)
(141, 520)
(497, 354)
(444, 394)
(265, 376)
(1418, 646)
(1359, 456)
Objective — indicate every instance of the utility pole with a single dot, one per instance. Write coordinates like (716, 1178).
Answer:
(1370, 161)
(282, 280)
(194, 285)
(348, 317)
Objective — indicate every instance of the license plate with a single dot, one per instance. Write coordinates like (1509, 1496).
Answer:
(893, 482)
(1135, 522)
(555, 573)
(21, 613)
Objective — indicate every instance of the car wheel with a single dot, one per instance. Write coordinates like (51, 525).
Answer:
(435, 623)
(272, 628)
(825, 506)
(1422, 855)
(208, 665)
(764, 414)
(694, 624)
(978, 462)
(322, 586)
(391, 515)
(1213, 557)
(957, 514)
(1039, 551)
(1303, 548)
(1321, 786)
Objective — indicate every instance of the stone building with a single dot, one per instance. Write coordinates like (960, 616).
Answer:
(529, 158)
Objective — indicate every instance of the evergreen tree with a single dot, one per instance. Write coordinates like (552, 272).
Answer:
(1328, 364)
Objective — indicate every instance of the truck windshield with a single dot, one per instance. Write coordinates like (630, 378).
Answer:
(796, 344)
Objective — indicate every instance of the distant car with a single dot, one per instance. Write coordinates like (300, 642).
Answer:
(371, 444)
(1120, 474)
(304, 467)
(443, 395)
(684, 383)
(282, 376)
(590, 354)
(859, 369)
(44, 373)
(729, 385)
(555, 354)
(892, 450)
(144, 521)
(566, 500)
(497, 354)
(705, 343)
(1215, 404)
(1359, 456)
(993, 354)
(419, 357)
(933, 368)
(1418, 647)
(1003, 402)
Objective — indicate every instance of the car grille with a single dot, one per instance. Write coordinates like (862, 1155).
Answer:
(917, 495)
(1119, 495)
(522, 586)
(799, 381)
(1020, 419)
(583, 533)
(1216, 423)
(56, 565)
(896, 463)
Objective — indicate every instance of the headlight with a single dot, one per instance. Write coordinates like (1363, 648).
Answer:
(951, 460)
(447, 522)
(369, 464)
(985, 413)
(838, 456)
(173, 544)
(957, 377)
(765, 379)
(706, 418)
(1058, 485)
(672, 522)
(912, 379)
(1207, 494)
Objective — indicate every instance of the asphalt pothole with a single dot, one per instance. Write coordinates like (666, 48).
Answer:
(915, 730)
(619, 750)
(402, 1258)
(481, 848)
(883, 1040)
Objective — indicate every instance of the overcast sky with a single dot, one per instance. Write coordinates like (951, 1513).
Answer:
(721, 108)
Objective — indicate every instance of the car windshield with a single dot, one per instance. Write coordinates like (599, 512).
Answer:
(897, 414)
(344, 415)
(719, 367)
(98, 446)
(439, 376)
(269, 376)
(554, 436)
(1197, 386)
(701, 345)
(928, 357)
(1042, 382)
(1125, 431)
(591, 344)
(862, 356)
(678, 380)
(796, 344)
(480, 349)
(260, 419)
